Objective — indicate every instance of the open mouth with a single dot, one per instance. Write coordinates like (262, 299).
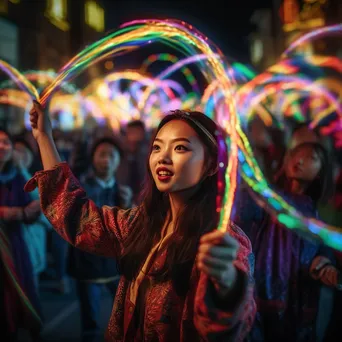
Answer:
(164, 174)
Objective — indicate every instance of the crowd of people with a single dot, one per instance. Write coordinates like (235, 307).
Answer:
(135, 212)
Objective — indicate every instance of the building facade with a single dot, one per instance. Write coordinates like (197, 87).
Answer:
(287, 20)
(44, 35)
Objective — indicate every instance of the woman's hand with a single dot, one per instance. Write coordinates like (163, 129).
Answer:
(40, 122)
(216, 254)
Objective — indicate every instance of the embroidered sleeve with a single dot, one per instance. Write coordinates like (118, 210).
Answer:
(231, 321)
(76, 218)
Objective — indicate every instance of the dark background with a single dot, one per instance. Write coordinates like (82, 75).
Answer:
(226, 22)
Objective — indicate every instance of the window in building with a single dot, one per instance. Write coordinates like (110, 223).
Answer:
(57, 13)
(304, 15)
(94, 15)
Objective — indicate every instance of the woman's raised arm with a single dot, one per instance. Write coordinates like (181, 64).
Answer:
(65, 204)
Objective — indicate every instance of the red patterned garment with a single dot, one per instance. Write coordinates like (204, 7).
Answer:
(199, 316)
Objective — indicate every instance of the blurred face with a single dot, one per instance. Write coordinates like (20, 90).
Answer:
(304, 164)
(6, 148)
(24, 154)
(134, 135)
(177, 160)
(106, 160)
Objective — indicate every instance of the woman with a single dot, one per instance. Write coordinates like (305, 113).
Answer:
(182, 280)
(289, 270)
(19, 306)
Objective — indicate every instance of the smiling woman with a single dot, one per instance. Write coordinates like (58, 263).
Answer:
(182, 280)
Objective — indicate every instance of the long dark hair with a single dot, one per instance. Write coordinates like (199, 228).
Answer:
(197, 217)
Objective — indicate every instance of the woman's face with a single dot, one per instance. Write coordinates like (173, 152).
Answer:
(304, 164)
(177, 161)
(6, 148)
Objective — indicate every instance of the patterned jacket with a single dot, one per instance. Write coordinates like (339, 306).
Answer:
(199, 316)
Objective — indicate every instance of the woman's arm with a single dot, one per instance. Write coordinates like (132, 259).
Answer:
(76, 218)
(42, 132)
(65, 204)
(48, 151)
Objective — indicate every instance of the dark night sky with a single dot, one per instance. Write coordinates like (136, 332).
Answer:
(225, 22)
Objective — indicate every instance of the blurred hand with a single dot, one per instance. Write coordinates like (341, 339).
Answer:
(126, 196)
(9, 214)
(216, 255)
(40, 122)
(322, 269)
(32, 210)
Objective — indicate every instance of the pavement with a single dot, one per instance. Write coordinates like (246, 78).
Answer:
(62, 315)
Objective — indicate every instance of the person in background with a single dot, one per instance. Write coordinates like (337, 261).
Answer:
(289, 269)
(19, 302)
(268, 144)
(132, 170)
(34, 233)
(331, 213)
(83, 140)
(93, 272)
